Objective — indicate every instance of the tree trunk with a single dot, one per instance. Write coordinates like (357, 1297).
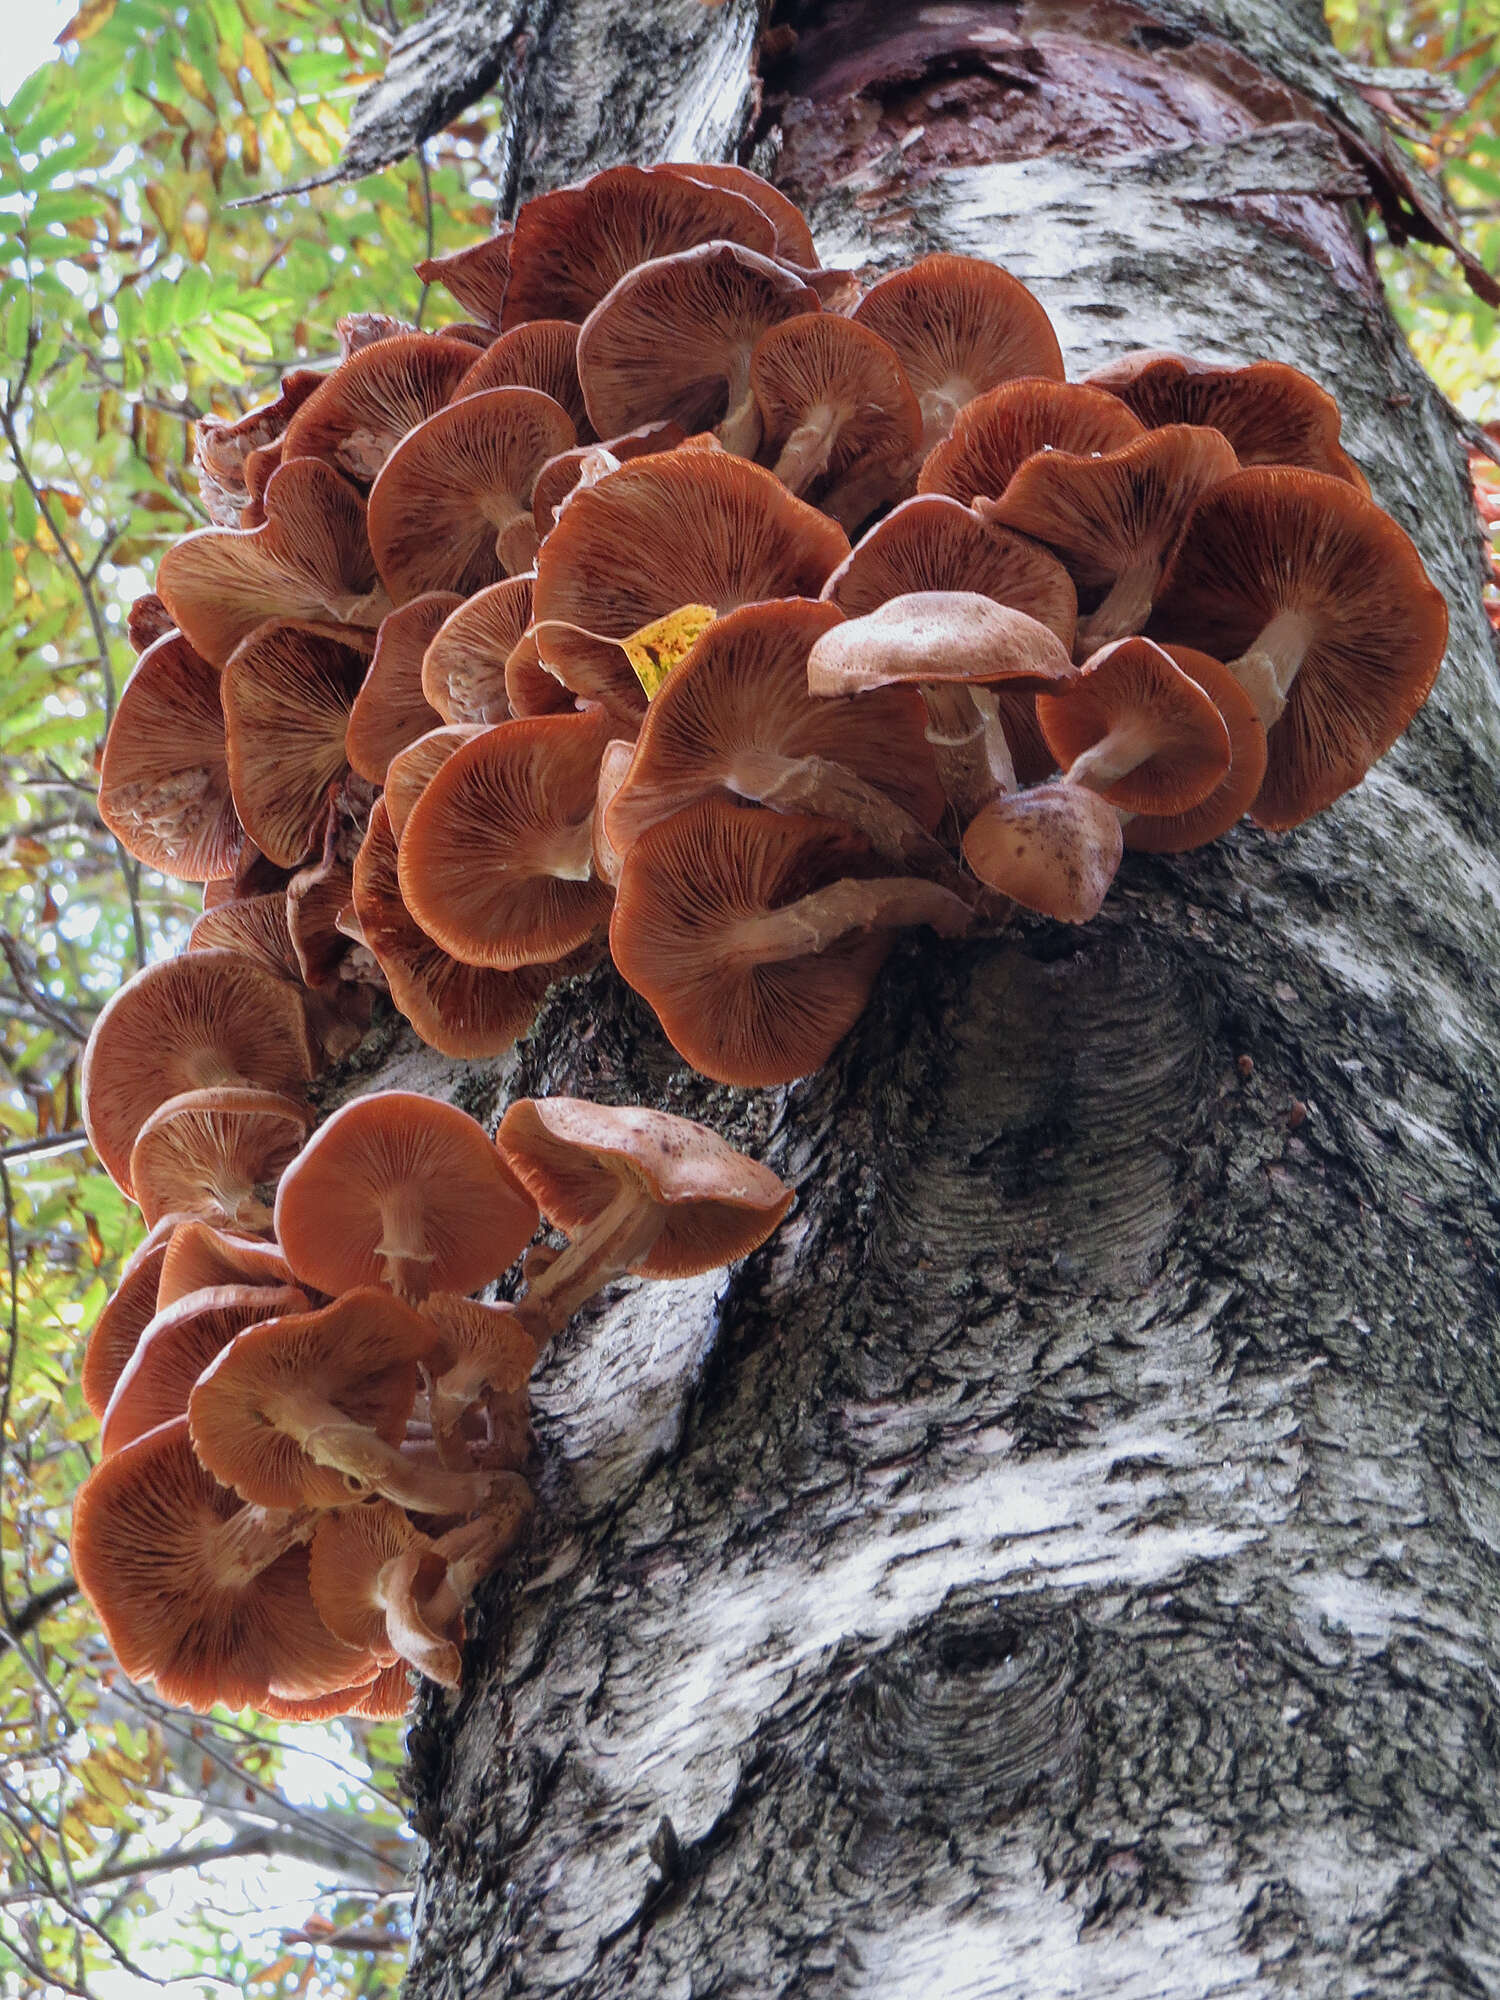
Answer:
(1067, 1559)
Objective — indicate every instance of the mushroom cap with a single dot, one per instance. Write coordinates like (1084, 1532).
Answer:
(682, 527)
(1272, 414)
(937, 636)
(741, 697)
(463, 669)
(463, 1010)
(995, 434)
(1053, 849)
(586, 465)
(178, 1602)
(204, 1153)
(310, 563)
(200, 1257)
(355, 420)
(208, 1017)
(476, 276)
(164, 778)
(542, 354)
(396, 1151)
(689, 887)
(147, 620)
(413, 769)
(960, 327)
(554, 669)
(576, 1158)
(1232, 797)
(255, 927)
(392, 708)
(288, 691)
(451, 509)
(932, 542)
(837, 378)
(1115, 514)
(794, 239)
(487, 1343)
(718, 299)
(124, 1317)
(175, 1348)
(572, 245)
(349, 1550)
(496, 860)
(1312, 556)
(1133, 697)
(223, 447)
(358, 1356)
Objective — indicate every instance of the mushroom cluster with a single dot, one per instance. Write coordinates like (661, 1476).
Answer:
(313, 1438)
(545, 629)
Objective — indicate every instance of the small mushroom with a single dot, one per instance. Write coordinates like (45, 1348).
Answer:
(361, 412)
(175, 1348)
(164, 778)
(208, 1153)
(1053, 848)
(1175, 833)
(463, 669)
(1137, 730)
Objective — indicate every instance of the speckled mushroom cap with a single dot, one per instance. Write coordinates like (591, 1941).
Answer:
(572, 245)
(1320, 605)
(355, 1360)
(309, 563)
(994, 435)
(403, 1190)
(685, 527)
(937, 636)
(209, 1017)
(288, 691)
(1115, 517)
(1137, 730)
(1232, 797)
(355, 420)
(195, 1591)
(1054, 849)
(463, 1010)
(205, 1153)
(933, 542)
(496, 858)
(164, 779)
(391, 708)
(718, 300)
(451, 509)
(1272, 414)
(961, 327)
(175, 1348)
(576, 1158)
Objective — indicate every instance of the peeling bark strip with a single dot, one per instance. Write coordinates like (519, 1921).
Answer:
(1067, 1559)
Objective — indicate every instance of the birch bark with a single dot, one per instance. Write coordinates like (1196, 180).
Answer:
(1067, 1560)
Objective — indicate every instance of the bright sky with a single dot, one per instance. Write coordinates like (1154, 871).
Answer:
(30, 30)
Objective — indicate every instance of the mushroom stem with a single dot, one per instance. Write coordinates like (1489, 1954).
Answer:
(742, 428)
(973, 757)
(516, 539)
(818, 785)
(401, 1247)
(360, 1455)
(1267, 669)
(619, 1236)
(1123, 611)
(806, 452)
(816, 921)
(252, 1539)
(1115, 756)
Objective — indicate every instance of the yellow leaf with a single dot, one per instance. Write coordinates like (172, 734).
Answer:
(249, 144)
(310, 138)
(195, 221)
(194, 83)
(229, 68)
(657, 647)
(253, 56)
(278, 142)
(89, 19)
(218, 153)
(163, 206)
(96, 1241)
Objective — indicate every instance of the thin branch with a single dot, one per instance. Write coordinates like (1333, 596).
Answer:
(152, 1864)
(53, 1011)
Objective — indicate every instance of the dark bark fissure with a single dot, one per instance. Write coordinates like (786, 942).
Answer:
(1065, 1559)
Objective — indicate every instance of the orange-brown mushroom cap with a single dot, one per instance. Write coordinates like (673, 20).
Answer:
(392, 708)
(995, 434)
(164, 779)
(463, 669)
(794, 238)
(1322, 608)
(209, 1017)
(200, 1257)
(358, 416)
(1232, 797)
(476, 276)
(196, 1591)
(1053, 849)
(207, 1153)
(836, 409)
(124, 1317)
(542, 354)
(401, 1190)
(1137, 730)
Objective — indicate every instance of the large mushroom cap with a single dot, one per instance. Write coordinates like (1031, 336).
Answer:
(994, 435)
(794, 239)
(209, 1017)
(361, 412)
(576, 1158)
(196, 1591)
(164, 779)
(1137, 730)
(173, 1351)
(961, 327)
(937, 636)
(1270, 413)
(1321, 605)
(572, 245)
(401, 1190)
(683, 527)
(451, 509)
(209, 1153)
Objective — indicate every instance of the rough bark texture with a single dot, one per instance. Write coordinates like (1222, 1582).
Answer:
(1067, 1559)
